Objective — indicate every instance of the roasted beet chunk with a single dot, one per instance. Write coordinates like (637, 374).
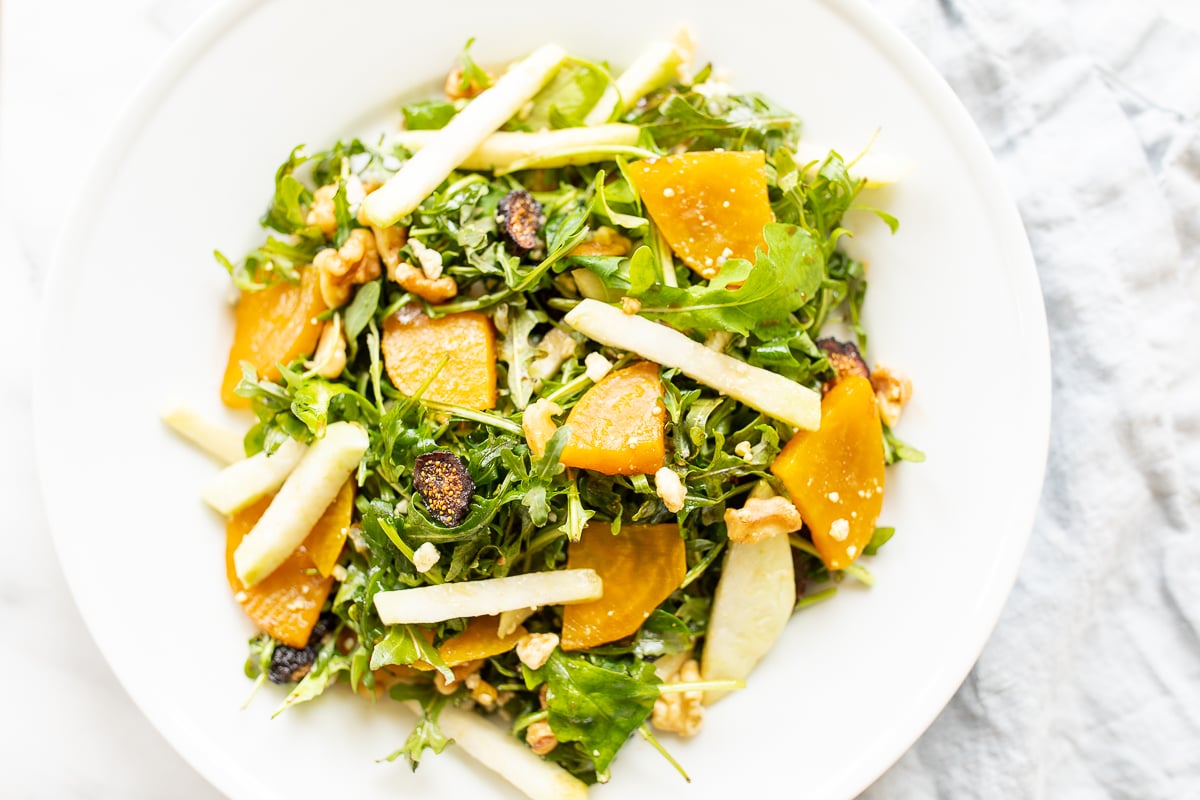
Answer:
(520, 221)
(290, 664)
(845, 358)
(444, 484)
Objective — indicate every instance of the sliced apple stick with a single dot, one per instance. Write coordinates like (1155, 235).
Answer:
(220, 442)
(751, 607)
(495, 749)
(417, 179)
(251, 479)
(772, 394)
(429, 604)
(658, 65)
(567, 146)
(301, 501)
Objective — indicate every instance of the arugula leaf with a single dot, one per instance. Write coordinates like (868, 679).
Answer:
(362, 309)
(405, 644)
(566, 99)
(742, 298)
(473, 76)
(429, 115)
(286, 212)
(894, 449)
(517, 352)
(879, 538)
(426, 735)
(599, 708)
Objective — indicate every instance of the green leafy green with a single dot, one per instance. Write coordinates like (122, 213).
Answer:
(741, 297)
(428, 115)
(596, 706)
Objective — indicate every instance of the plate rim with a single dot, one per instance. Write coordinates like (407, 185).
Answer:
(945, 106)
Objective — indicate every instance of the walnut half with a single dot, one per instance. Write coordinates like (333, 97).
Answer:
(355, 262)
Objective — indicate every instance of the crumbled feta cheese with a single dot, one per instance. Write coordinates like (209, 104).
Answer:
(339, 573)
(554, 348)
(426, 556)
(596, 366)
(241, 597)
(431, 260)
(668, 192)
(834, 497)
(839, 530)
(534, 649)
(670, 489)
(851, 551)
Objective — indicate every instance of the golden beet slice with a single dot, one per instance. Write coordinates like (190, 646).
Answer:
(640, 567)
(286, 603)
(710, 206)
(835, 474)
(273, 326)
(479, 640)
(414, 345)
(617, 426)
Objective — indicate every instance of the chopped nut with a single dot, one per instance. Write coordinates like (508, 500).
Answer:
(555, 348)
(414, 280)
(631, 305)
(460, 674)
(761, 518)
(458, 89)
(744, 451)
(444, 484)
(355, 262)
(534, 649)
(680, 712)
(521, 219)
(596, 366)
(482, 692)
(604, 241)
(538, 425)
(322, 212)
(845, 359)
(892, 391)
(670, 489)
(425, 557)
(430, 259)
(540, 737)
(389, 241)
(330, 358)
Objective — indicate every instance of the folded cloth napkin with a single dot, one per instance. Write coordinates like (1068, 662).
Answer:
(1090, 685)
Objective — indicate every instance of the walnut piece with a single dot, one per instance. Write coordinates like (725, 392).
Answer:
(482, 692)
(761, 518)
(322, 213)
(534, 649)
(680, 712)
(892, 391)
(605, 241)
(455, 88)
(538, 425)
(355, 262)
(540, 737)
(330, 358)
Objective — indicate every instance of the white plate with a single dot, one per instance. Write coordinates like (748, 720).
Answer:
(136, 314)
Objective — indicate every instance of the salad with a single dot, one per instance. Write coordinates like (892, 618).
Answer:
(551, 433)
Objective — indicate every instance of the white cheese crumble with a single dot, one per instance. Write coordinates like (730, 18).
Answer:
(431, 260)
(425, 557)
(668, 192)
(744, 451)
(596, 366)
(834, 497)
(339, 573)
(839, 530)
(670, 489)
(851, 551)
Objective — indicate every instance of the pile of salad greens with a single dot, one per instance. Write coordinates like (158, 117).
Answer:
(526, 509)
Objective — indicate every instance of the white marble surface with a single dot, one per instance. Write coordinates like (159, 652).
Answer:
(67, 67)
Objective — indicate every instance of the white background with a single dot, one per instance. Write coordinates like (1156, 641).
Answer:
(67, 68)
